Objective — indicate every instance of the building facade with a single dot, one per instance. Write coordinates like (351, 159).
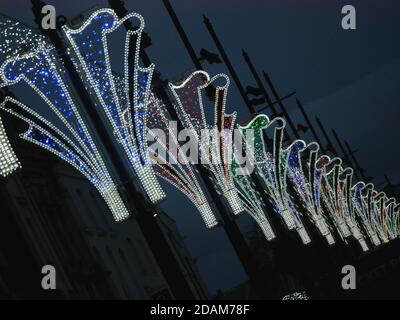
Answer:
(51, 215)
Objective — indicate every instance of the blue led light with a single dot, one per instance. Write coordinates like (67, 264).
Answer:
(38, 70)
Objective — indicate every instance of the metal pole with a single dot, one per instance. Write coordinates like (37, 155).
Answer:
(326, 137)
(300, 105)
(345, 156)
(259, 83)
(183, 35)
(228, 64)
(357, 165)
(281, 105)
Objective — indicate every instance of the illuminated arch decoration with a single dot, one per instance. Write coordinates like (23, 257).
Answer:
(388, 212)
(272, 168)
(307, 183)
(251, 203)
(9, 162)
(348, 209)
(14, 37)
(395, 221)
(215, 139)
(373, 198)
(269, 165)
(38, 68)
(336, 195)
(360, 206)
(124, 100)
(167, 164)
(384, 209)
(331, 194)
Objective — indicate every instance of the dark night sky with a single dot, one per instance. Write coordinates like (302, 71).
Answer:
(348, 78)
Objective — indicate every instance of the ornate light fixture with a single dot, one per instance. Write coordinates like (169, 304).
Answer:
(384, 210)
(167, 156)
(251, 202)
(38, 68)
(373, 205)
(348, 209)
(360, 206)
(389, 217)
(8, 160)
(214, 137)
(339, 202)
(331, 196)
(395, 221)
(307, 183)
(273, 169)
(124, 100)
(14, 37)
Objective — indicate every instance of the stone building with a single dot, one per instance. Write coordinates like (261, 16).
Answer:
(51, 215)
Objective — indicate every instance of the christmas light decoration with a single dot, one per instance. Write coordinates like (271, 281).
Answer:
(395, 220)
(389, 217)
(340, 203)
(15, 38)
(61, 146)
(296, 296)
(384, 207)
(348, 207)
(167, 164)
(373, 199)
(361, 208)
(269, 165)
(124, 101)
(8, 160)
(273, 170)
(38, 68)
(308, 187)
(299, 183)
(330, 196)
(251, 203)
(377, 210)
(215, 139)
(250, 197)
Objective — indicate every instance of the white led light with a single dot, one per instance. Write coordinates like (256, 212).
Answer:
(267, 230)
(8, 160)
(363, 245)
(305, 238)
(288, 218)
(330, 239)
(296, 296)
